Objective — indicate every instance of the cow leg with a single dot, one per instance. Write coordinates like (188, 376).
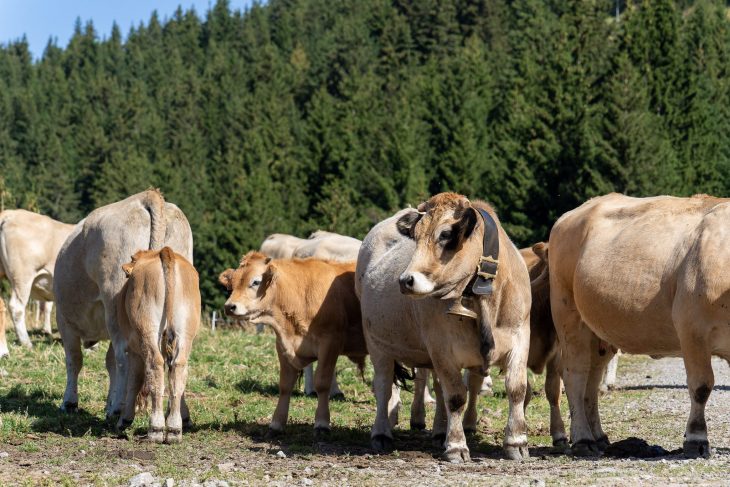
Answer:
(74, 362)
(552, 393)
(474, 388)
(154, 365)
(326, 364)
(309, 381)
(440, 419)
(454, 396)
(288, 375)
(17, 304)
(609, 379)
(595, 377)
(46, 307)
(3, 340)
(134, 385)
(178, 377)
(418, 406)
(700, 381)
(187, 422)
(111, 368)
(381, 436)
(515, 383)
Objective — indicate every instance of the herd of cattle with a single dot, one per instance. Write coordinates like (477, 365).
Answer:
(437, 288)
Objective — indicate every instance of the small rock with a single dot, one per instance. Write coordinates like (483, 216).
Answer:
(537, 483)
(308, 471)
(83, 452)
(226, 467)
(141, 480)
(4, 454)
(281, 454)
(169, 482)
(306, 481)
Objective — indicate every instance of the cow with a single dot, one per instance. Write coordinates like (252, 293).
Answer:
(344, 249)
(89, 276)
(646, 275)
(433, 253)
(29, 244)
(312, 307)
(158, 312)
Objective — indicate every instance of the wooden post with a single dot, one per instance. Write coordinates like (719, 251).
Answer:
(212, 322)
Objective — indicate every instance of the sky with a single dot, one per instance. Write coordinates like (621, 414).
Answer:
(40, 20)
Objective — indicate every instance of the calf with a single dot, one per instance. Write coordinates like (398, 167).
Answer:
(158, 310)
(312, 307)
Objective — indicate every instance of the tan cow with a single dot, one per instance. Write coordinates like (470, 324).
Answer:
(433, 253)
(158, 310)
(312, 307)
(29, 244)
(89, 276)
(649, 276)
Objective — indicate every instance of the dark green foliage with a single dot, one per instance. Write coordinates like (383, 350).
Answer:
(303, 114)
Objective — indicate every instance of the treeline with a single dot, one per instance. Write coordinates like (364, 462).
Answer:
(303, 114)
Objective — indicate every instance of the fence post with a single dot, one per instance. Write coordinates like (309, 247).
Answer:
(212, 322)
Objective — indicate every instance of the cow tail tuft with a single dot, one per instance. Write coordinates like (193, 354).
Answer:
(401, 375)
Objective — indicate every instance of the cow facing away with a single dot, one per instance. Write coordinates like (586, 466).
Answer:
(29, 244)
(312, 307)
(420, 333)
(647, 275)
(89, 276)
(158, 310)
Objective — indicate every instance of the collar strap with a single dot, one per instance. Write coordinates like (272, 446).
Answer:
(487, 267)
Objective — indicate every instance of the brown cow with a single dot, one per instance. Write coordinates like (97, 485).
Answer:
(312, 307)
(647, 275)
(159, 314)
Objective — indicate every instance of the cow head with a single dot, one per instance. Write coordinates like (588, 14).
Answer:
(249, 286)
(446, 254)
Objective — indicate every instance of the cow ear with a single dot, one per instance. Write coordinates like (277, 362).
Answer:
(267, 260)
(541, 250)
(466, 223)
(127, 268)
(268, 277)
(407, 222)
(225, 278)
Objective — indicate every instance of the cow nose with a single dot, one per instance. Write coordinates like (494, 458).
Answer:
(406, 282)
(230, 309)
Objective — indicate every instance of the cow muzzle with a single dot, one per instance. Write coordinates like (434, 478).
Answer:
(234, 310)
(415, 283)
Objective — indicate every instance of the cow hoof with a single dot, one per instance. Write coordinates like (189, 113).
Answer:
(584, 448)
(27, 345)
(123, 424)
(340, 396)
(311, 394)
(560, 446)
(174, 436)
(382, 443)
(156, 435)
(112, 417)
(321, 433)
(70, 407)
(273, 433)
(438, 440)
(602, 443)
(187, 424)
(516, 452)
(418, 426)
(696, 449)
(457, 455)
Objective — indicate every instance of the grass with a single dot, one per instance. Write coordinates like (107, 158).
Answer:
(232, 392)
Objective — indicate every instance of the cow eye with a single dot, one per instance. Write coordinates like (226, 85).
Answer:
(445, 236)
(255, 282)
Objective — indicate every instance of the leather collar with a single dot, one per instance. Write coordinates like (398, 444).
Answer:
(486, 270)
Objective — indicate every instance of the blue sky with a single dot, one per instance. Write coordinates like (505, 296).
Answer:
(40, 20)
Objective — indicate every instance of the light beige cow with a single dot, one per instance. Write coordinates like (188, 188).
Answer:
(280, 245)
(29, 244)
(649, 276)
(158, 311)
(420, 333)
(89, 276)
(312, 307)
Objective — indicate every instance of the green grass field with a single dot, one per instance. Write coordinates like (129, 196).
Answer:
(232, 392)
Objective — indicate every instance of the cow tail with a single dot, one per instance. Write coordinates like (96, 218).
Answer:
(486, 339)
(168, 337)
(401, 375)
(154, 203)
